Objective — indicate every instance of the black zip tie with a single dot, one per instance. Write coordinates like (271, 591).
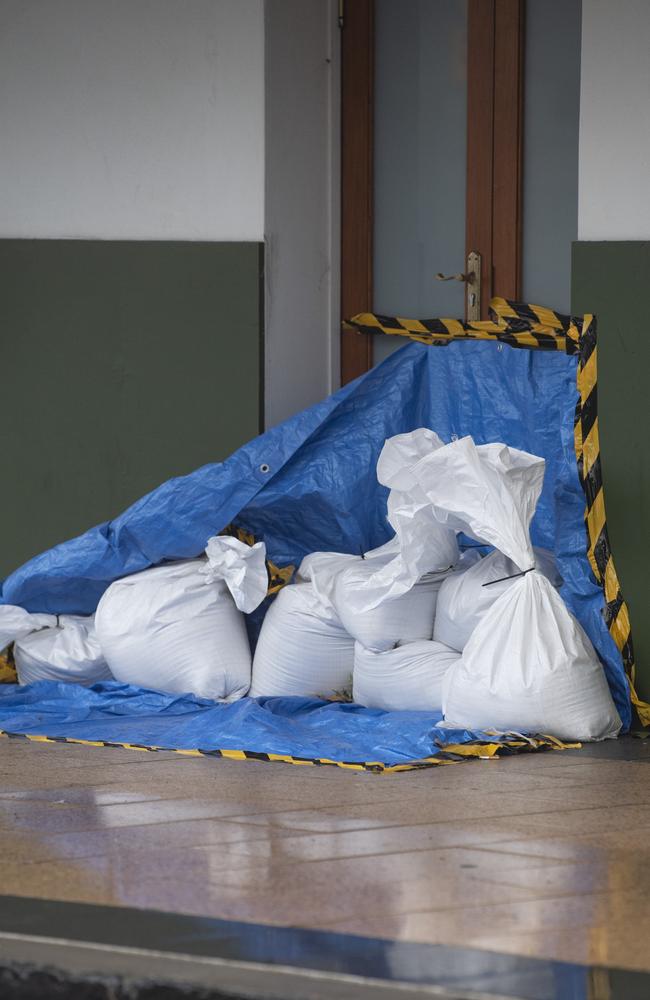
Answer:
(361, 552)
(513, 577)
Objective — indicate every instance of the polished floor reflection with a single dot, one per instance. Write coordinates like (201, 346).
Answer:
(543, 855)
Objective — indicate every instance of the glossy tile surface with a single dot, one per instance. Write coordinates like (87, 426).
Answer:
(542, 855)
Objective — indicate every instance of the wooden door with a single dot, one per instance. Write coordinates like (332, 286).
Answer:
(490, 161)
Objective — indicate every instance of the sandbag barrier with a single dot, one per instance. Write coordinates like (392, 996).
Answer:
(452, 753)
(522, 325)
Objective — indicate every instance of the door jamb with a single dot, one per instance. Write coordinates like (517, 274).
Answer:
(357, 107)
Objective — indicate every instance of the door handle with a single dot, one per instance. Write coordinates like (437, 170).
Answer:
(454, 277)
(472, 278)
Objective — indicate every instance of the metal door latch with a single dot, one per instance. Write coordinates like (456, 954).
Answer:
(472, 279)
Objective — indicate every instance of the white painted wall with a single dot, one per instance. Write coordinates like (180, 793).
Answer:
(178, 120)
(132, 119)
(614, 175)
(302, 323)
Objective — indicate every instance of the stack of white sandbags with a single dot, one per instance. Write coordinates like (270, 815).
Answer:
(410, 675)
(345, 610)
(310, 644)
(412, 625)
(489, 641)
(53, 648)
(526, 664)
(180, 627)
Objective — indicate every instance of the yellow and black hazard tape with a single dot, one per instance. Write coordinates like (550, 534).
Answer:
(508, 743)
(538, 328)
(520, 324)
(587, 446)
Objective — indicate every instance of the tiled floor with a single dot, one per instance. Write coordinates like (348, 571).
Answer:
(542, 855)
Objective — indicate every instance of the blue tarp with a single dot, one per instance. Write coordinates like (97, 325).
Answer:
(298, 727)
(310, 484)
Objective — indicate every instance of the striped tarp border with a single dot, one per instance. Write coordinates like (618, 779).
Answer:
(504, 744)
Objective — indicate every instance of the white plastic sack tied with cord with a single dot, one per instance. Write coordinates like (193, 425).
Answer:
(47, 648)
(528, 666)
(470, 591)
(179, 627)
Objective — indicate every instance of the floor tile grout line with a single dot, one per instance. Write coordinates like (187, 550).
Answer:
(241, 818)
(460, 820)
(256, 860)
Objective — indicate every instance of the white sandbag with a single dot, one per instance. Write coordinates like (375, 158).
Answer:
(68, 651)
(302, 650)
(389, 594)
(343, 584)
(177, 628)
(406, 678)
(468, 593)
(16, 623)
(529, 667)
(405, 618)
(488, 491)
(320, 569)
(422, 545)
(242, 568)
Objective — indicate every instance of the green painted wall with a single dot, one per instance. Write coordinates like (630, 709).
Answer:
(123, 363)
(612, 280)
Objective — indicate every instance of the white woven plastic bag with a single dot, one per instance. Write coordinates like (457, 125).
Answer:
(406, 678)
(408, 617)
(422, 546)
(47, 648)
(529, 665)
(16, 623)
(467, 595)
(488, 491)
(389, 594)
(302, 650)
(372, 611)
(67, 651)
(179, 627)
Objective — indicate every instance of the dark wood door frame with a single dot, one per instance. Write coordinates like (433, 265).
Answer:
(494, 158)
(357, 138)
